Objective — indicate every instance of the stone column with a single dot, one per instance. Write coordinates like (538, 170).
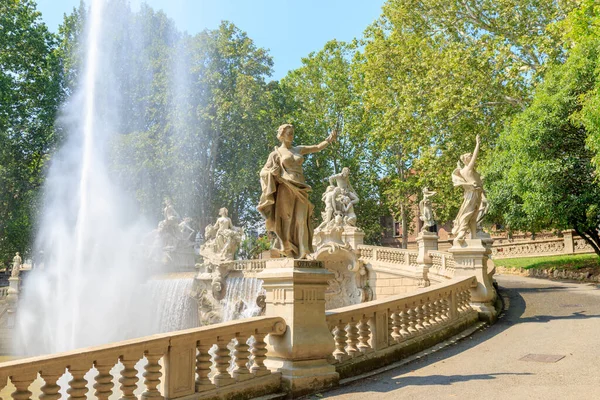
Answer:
(12, 299)
(471, 258)
(296, 291)
(426, 241)
(568, 239)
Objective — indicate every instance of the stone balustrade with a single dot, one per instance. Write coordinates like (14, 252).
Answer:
(372, 334)
(395, 271)
(252, 266)
(389, 255)
(442, 266)
(187, 369)
(541, 246)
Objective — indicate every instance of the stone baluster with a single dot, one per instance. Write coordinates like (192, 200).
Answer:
(396, 327)
(425, 312)
(104, 380)
(404, 319)
(340, 342)
(78, 385)
(129, 377)
(241, 354)
(22, 382)
(259, 355)
(453, 306)
(412, 321)
(437, 311)
(222, 360)
(352, 348)
(50, 389)
(152, 375)
(432, 309)
(364, 333)
(462, 302)
(418, 313)
(445, 309)
(203, 365)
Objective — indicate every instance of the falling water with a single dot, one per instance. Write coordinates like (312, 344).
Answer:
(240, 299)
(88, 292)
(174, 308)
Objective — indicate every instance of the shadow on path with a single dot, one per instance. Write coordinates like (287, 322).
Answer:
(513, 315)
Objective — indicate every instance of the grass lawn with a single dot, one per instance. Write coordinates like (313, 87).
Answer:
(569, 262)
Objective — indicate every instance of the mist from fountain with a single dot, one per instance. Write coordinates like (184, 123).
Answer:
(89, 290)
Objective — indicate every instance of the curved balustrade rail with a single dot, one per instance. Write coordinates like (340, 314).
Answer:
(187, 364)
(247, 265)
(442, 264)
(407, 323)
(388, 255)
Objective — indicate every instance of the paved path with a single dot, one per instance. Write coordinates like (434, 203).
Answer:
(543, 317)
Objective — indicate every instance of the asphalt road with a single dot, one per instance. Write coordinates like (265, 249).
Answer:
(545, 320)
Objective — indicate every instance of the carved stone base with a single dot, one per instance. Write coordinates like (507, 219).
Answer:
(471, 259)
(304, 377)
(295, 290)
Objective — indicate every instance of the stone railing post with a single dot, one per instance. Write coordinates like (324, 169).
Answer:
(471, 259)
(354, 237)
(180, 368)
(426, 242)
(296, 291)
(12, 298)
(568, 239)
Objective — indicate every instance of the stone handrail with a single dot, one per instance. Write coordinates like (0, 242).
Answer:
(442, 264)
(248, 265)
(388, 255)
(186, 363)
(382, 326)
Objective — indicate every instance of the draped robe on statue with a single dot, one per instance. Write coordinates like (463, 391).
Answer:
(466, 219)
(285, 205)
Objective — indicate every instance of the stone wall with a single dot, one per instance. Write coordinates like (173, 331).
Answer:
(545, 246)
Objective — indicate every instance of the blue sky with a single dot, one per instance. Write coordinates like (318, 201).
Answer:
(290, 29)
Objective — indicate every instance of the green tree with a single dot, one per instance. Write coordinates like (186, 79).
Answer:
(438, 72)
(30, 94)
(323, 96)
(541, 174)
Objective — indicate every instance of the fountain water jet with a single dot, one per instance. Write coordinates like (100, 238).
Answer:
(89, 291)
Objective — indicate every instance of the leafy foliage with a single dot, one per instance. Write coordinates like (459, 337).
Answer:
(542, 173)
(30, 93)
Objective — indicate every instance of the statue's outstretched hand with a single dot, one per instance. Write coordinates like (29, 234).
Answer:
(332, 136)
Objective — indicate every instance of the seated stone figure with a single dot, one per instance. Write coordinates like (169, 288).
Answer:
(222, 239)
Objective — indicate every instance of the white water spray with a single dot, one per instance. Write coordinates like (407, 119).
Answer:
(89, 289)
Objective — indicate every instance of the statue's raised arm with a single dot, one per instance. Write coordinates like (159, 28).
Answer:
(468, 217)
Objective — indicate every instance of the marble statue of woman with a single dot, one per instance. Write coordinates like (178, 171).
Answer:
(474, 203)
(284, 200)
(16, 266)
(426, 211)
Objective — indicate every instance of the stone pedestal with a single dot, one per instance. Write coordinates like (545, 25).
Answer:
(426, 241)
(471, 258)
(353, 236)
(295, 290)
(12, 299)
